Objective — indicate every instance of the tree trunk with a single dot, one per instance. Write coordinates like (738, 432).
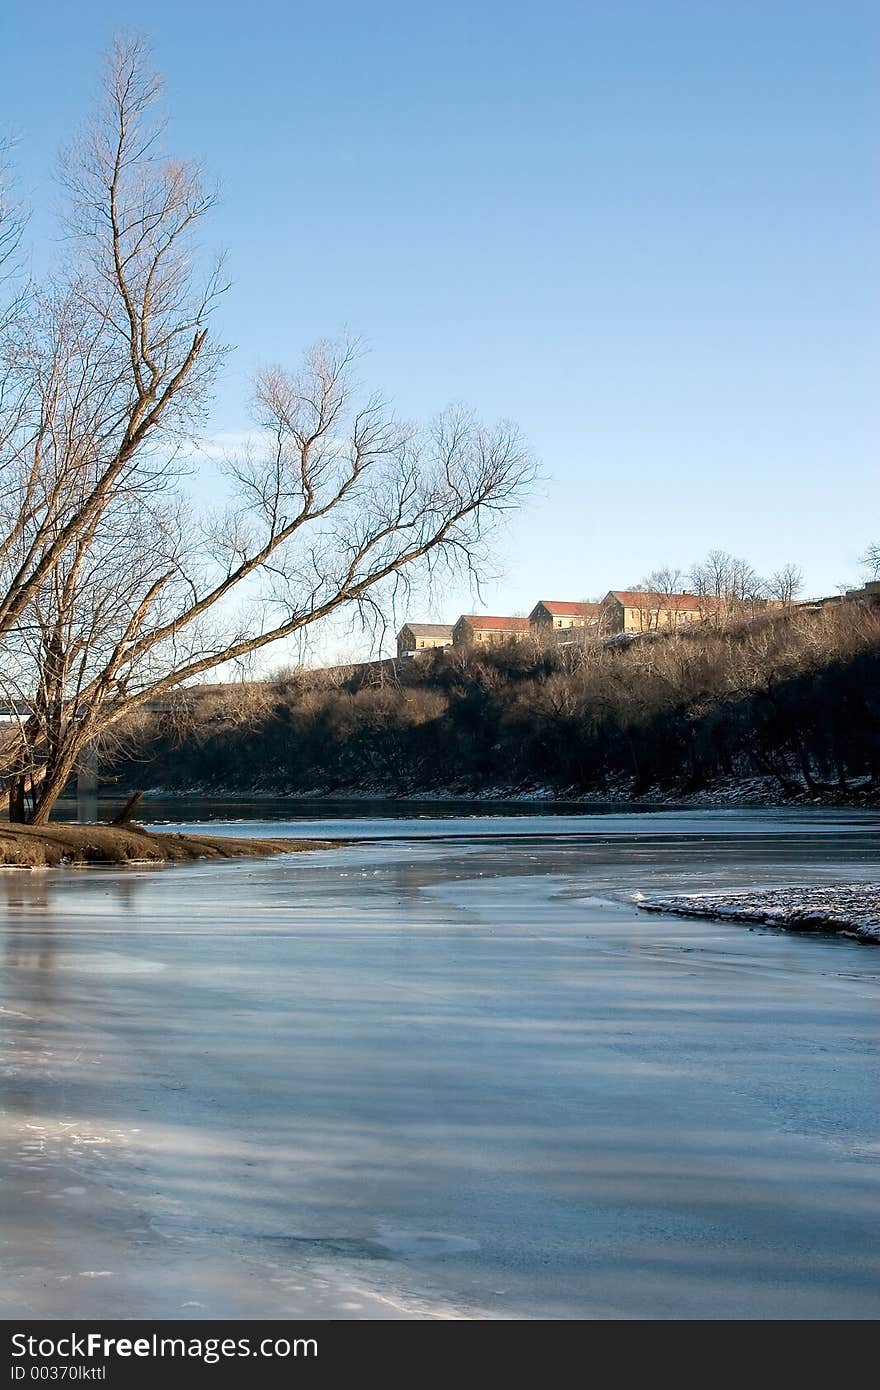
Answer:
(809, 780)
(16, 799)
(53, 786)
(127, 813)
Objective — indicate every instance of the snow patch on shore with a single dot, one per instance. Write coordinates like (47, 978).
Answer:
(849, 909)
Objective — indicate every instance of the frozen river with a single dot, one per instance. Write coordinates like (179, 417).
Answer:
(449, 1071)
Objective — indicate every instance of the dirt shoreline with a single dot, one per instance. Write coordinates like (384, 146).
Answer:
(58, 845)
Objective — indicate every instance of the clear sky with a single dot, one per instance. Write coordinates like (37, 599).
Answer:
(645, 229)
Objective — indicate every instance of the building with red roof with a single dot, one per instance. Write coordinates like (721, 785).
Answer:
(640, 610)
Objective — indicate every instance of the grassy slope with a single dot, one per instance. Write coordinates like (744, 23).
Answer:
(28, 846)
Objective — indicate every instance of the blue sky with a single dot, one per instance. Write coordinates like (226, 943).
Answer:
(646, 231)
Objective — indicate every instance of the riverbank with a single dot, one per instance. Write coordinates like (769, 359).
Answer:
(723, 793)
(48, 846)
(775, 713)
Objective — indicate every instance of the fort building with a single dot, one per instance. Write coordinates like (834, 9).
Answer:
(419, 637)
(488, 630)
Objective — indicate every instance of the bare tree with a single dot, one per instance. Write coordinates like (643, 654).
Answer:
(747, 588)
(11, 227)
(710, 580)
(785, 585)
(104, 365)
(871, 561)
(729, 586)
(113, 594)
(664, 586)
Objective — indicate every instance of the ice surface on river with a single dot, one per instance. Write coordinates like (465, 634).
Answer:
(437, 1078)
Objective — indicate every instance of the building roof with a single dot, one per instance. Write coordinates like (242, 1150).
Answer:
(561, 609)
(427, 629)
(644, 598)
(485, 623)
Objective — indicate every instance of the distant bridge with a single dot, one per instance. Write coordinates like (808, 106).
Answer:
(11, 711)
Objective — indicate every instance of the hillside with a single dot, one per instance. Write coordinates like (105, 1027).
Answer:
(792, 700)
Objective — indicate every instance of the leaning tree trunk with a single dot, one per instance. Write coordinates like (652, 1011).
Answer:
(126, 815)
